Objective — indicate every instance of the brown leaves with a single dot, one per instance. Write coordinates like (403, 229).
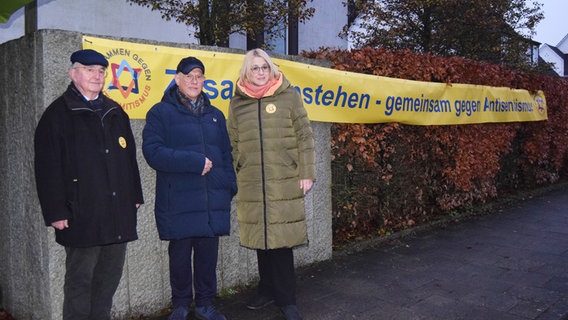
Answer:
(389, 176)
(4, 315)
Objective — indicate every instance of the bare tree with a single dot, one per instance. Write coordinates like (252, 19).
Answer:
(215, 20)
(490, 30)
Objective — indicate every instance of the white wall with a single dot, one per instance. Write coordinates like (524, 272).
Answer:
(119, 18)
(323, 28)
(100, 17)
(551, 56)
(13, 28)
(563, 44)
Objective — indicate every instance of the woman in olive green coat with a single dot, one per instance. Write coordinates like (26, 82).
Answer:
(274, 158)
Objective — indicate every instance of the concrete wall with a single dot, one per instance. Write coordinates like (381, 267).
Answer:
(34, 73)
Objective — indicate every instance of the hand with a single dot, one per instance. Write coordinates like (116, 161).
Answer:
(306, 185)
(60, 225)
(207, 167)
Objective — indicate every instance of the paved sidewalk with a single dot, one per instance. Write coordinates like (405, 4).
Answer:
(510, 265)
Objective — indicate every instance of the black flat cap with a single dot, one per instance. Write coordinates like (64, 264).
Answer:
(89, 57)
(187, 64)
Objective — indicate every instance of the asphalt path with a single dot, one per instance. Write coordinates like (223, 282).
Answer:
(508, 264)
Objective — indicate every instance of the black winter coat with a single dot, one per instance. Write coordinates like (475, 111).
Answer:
(86, 171)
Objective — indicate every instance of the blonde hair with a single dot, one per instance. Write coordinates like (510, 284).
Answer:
(246, 72)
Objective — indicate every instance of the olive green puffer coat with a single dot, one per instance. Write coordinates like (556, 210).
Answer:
(273, 148)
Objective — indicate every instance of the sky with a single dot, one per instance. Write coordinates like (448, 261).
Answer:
(554, 26)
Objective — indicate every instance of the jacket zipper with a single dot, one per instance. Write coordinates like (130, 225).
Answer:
(203, 150)
(262, 175)
(113, 192)
(104, 137)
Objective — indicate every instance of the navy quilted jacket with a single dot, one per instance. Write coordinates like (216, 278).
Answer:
(175, 144)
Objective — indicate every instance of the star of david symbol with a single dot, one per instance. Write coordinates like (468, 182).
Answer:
(540, 104)
(117, 71)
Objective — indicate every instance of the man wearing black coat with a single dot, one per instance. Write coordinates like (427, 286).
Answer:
(88, 185)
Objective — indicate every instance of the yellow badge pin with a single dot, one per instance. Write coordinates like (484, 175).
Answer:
(271, 108)
(122, 142)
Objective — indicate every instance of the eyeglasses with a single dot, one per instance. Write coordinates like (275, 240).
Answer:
(91, 71)
(192, 77)
(257, 69)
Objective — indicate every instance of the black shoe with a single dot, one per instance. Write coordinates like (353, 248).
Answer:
(208, 313)
(179, 313)
(291, 312)
(259, 302)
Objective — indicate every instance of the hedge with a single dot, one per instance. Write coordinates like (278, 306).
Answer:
(388, 177)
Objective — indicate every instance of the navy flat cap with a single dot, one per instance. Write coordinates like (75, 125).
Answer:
(187, 64)
(89, 57)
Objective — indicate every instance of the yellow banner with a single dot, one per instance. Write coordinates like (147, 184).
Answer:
(139, 74)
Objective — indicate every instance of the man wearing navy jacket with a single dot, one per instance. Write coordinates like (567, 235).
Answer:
(186, 141)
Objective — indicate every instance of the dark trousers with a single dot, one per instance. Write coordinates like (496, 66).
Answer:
(204, 252)
(91, 277)
(277, 275)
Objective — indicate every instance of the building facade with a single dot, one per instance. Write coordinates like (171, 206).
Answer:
(123, 19)
(557, 56)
